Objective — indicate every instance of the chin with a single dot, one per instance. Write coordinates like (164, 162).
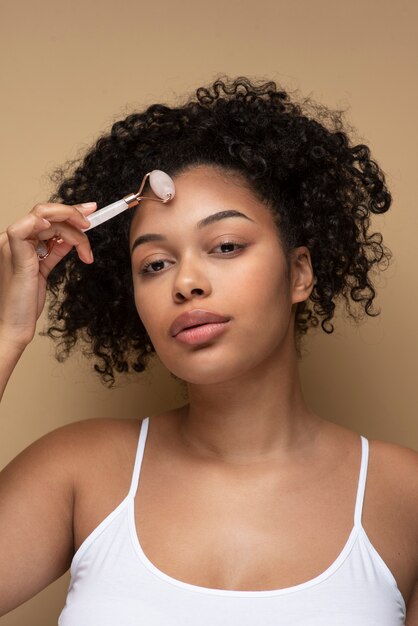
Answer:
(205, 378)
(210, 371)
(222, 362)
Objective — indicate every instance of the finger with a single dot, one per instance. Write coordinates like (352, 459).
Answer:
(75, 214)
(58, 252)
(84, 209)
(19, 236)
(25, 234)
(3, 239)
(71, 236)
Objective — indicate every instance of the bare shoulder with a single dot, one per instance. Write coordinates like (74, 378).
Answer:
(399, 465)
(39, 493)
(106, 440)
(95, 431)
(394, 468)
(68, 446)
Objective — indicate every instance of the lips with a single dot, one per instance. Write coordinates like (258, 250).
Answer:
(198, 317)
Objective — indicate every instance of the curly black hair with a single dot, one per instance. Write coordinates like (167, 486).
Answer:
(295, 156)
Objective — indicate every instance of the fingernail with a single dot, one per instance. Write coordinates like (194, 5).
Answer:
(88, 205)
(46, 222)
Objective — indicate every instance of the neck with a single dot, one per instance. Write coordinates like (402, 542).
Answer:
(260, 416)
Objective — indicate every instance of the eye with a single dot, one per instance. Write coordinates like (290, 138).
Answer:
(153, 267)
(229, 248)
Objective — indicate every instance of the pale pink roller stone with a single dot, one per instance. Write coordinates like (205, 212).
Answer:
(161, 184)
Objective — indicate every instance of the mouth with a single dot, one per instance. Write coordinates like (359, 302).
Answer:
(202, 333)
(196, 319)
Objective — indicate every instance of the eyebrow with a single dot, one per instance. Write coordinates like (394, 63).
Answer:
(206, 221)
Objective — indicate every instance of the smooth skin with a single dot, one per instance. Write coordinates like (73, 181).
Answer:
(249, 469)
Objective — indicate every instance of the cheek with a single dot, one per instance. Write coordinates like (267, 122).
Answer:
(144, 309)
(261, 283)
(153, 304)
(263, 307)
(269, 314)
(141, 301)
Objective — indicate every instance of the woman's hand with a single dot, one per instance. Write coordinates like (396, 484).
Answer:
(23, 276)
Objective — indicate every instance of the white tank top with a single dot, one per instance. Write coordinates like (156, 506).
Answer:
(113, 583)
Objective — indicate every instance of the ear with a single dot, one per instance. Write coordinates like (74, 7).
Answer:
(302, 277)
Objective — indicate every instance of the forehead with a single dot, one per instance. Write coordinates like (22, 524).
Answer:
(200, 191)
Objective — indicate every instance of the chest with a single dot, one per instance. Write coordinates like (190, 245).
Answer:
(239, 533)
(250, 530)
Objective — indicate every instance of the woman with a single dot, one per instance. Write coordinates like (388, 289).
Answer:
(251, 509)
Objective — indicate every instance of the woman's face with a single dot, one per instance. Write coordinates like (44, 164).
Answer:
(214, 248)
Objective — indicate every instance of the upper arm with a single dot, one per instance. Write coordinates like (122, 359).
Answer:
(407, 461)
(36, 516)
(412, 608)
(405, 471)
(397, 467)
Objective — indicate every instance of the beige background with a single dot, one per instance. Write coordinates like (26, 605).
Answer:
(69, 69)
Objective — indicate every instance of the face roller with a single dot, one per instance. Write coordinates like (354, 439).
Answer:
(162, 186)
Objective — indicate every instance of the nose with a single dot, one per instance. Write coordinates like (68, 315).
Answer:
(190, 282)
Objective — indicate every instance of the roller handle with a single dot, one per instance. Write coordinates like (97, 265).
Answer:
(106, 213)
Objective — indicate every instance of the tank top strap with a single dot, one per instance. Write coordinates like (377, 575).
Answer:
(139, 456)
(362, 480)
